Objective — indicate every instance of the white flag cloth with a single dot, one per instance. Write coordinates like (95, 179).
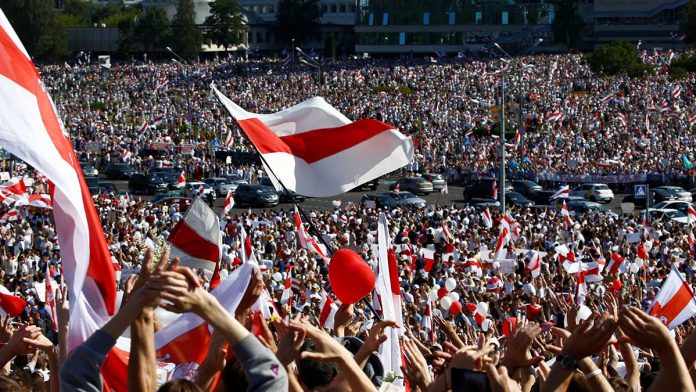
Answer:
(32, 131)
(196, 239)
(316, 151)
(675, 303)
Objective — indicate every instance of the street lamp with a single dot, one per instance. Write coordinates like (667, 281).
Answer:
(309, 61)
(503, 71)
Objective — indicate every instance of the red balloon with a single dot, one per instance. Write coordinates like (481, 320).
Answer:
(471, 307)
(350, 277)
(441, 292)
(533, 310)
(616, 285)
(455, 308)
(449, 248)
(641, 252)
(509, 325)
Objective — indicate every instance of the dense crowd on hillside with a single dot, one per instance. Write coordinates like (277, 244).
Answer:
(563, 305)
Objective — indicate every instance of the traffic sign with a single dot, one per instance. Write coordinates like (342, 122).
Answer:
(640, 191)
(468, 142)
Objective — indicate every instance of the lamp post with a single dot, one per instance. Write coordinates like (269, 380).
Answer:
(309, 61)
(503, 71)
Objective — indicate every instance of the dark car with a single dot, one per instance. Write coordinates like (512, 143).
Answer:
(526, 187)
(379, 201)
(109, 187)
(181, 201)
(637, 203)
(148, 184)
(415, 185)
(517, 199)
(171, 179)
(371, 185)
(667, 193)
(93, 185)
(283, 194)
(256, 196)
(541, 197)
(119, 171)
(482, 189)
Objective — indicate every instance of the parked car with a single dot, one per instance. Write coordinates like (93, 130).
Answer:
(253, 195)
(169, 178)
(416, 185)
(526, 187)
(89, 170)
(637, 203)
(663, 214)
(407, 199)
(182, 202)
(379, 201)
(484, 203)
(109, 187)
(482, 189)
(557, 204)
(371, 185)
(436, 179)
(193, 188)
(235, 179)
(517, 199)
(594, 192)
(146, 183)
(541, 198)
(681, 206)
(282, 194)
(220, 185)
(665, 193)
(93, 184)
(119, 171)
(579, 207)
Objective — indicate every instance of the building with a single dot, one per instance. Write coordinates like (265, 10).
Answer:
(411, 26)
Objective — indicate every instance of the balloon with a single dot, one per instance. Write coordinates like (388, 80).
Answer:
(445, 303)
(432, 296)
(350, 276)
(639, 262)
(436, 287)
(642, 253)
(509, 325)
(616, 285)
(450, 284)
(486, 325)
(634, 268)
(336, 203)
(455, 308)
(442, 292)
(449, 248)
(583, 314)
(277, 276)
(482, 308)
(471, 307)
(454, 296)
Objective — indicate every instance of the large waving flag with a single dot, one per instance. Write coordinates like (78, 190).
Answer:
(315, 150)
(13, 191)
(675, 303)
(32, 131)
(196, 239)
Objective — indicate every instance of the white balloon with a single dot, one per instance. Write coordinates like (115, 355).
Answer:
(486, 324)
(482, 308)
(454, 296)
(223, 274)
(450, 284)
(583, 314)
(277, 276)
(445, 303)
(436, 287)
(639, 262)
(432, 295)
(634, 268)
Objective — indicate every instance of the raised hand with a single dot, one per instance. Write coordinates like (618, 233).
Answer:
(517, 353)
(590, 336)
(500, 380)
(644, 330)
(290, 340)
(375, 336)
(415, 367)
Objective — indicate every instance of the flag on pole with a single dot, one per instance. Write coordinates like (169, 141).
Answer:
(181, 181)
(327, 310)
(316, 151)
(566, 215)
(196, 238)
(534, 264)
(676, 91)
(503, 240)
(691, 214)
(495, 189)
(675, 302)
(228, 139)
(307, 241)
(33, 132)
(562, 193)
(50, 299)
(487, 219)
(229, 203)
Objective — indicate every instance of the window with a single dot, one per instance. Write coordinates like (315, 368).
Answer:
(426, 18)
(402, 38)
(552, 16)
(332, 7)
(385, 19)
(371, 19)
(342, 8)
(504, 18)
(452, 17)
(324, 8)
(478, 18)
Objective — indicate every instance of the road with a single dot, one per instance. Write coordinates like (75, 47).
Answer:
(326, 203)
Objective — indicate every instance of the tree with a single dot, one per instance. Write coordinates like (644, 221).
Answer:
(152, 31)
(688, 22)
(186, 36)
(330, 46)
(567, 24)
(298, 20)
(37, 25)
(618, 57)
(225, 23)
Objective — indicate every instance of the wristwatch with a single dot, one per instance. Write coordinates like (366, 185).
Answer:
(567, 362)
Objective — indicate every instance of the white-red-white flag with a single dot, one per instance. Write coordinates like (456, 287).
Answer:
(157, 121)
(286, 296)
(503, 239)
(181, 181)
(307, 241)
(676, 91)
(196, 239)
(534, 264)
(691, 214)
(562, 193)
(229, 203)
(675, 303)
(50, 299)
(487, 219)
(14, 190)
(495, 189)
(316, 151)
(566, 215)
(327, 311)
(228, 139)
(33, 132)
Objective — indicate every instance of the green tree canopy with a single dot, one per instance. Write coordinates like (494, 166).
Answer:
(153, 29)
(298, 19)
(567, 24)
(37, 25)
(618, 57)
(186, 36)
(688, 22)
(226, 26)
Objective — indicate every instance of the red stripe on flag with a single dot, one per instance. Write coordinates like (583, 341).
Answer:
(325, 311)
(192, 243)
(674, 306)
(17, 67)
(332, 140)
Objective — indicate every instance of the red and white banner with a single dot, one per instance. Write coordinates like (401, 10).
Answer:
(534, 264)
(316, 151)
(307, 241)
(675, 303)
(566, 215)
(503, 239)
(33, 132)
(562, 193)
(327, 311)
(229, 203)
(196, 239)
(487, 219)
(13, 191)
(181, 181)
(11, 215)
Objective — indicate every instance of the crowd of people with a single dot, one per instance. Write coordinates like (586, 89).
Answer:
(528, 318)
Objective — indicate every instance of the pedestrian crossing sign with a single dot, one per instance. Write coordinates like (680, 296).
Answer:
(640, 191)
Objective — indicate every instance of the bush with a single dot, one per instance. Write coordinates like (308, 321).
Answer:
(677, 73)
(686, 62)
(614, 58)
(640, 69)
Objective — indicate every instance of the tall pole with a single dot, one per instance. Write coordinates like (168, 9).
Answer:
(502, 141)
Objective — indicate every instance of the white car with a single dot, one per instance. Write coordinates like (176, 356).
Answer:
(671, 214)
(681, 206)
(194, 188)
(221, 185)
(594, 192)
